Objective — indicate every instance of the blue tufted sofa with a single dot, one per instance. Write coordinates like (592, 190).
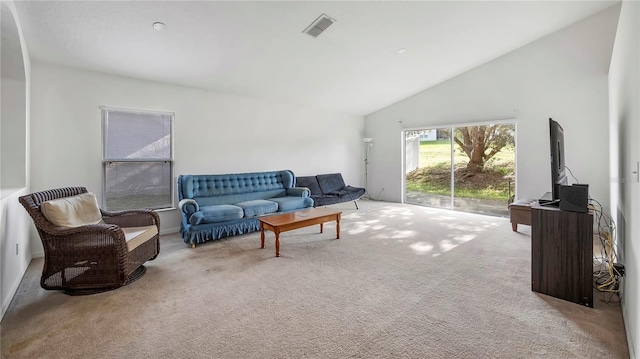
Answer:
(216, 206)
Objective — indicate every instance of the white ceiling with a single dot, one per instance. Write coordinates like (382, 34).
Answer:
(258, 49)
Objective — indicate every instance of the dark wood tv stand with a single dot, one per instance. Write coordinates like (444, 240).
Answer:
(562, 254)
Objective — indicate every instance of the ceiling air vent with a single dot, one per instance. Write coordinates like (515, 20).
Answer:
(319, 25)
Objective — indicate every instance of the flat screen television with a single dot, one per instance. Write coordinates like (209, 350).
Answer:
(558, 174)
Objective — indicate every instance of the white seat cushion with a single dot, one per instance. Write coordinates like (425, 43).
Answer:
(74, 211)
(135, 236)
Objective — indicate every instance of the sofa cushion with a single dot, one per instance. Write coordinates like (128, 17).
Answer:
(331, 182)
(289, 203)
(214, 214)
(135, 236)
(73, 211)
(348, 191)
(311, 183)
(325, 200)
(257, 207)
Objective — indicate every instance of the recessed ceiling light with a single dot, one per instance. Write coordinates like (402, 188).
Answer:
(402, 51)
(159, 26)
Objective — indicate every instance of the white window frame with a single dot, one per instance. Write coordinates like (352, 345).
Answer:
(106, 160)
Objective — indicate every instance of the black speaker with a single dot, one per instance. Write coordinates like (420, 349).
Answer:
(574, 198)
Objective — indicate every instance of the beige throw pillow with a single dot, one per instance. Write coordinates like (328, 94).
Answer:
(75, 211)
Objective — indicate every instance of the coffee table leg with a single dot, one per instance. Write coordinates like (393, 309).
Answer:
(277, 243)
(338, 226)
(321, 227)
(261, 235)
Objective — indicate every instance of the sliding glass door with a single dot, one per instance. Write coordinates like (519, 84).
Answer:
(428, 169)
(466, 168)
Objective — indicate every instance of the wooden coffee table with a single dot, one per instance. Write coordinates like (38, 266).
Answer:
(293, 220)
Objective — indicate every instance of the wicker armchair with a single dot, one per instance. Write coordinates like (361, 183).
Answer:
(91, 258)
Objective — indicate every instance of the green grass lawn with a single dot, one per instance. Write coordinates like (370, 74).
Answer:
(434, 174)
(436, 152)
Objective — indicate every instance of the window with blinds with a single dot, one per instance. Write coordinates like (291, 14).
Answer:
(137, 159)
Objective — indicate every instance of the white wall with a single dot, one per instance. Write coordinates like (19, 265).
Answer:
(13, 132)
(563, 76)
(14, 221)
(214, 132)
(624, 92)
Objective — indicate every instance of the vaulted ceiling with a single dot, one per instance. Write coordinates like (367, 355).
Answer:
(258, 49)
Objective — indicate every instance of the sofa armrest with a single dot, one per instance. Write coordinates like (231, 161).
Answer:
(299, 192)
(188, 206)
(132, 218)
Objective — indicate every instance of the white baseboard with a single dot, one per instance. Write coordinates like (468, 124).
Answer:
(12, 292)
(632, 353)
(169, 230)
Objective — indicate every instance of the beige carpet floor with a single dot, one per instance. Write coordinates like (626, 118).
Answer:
(402, 282)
